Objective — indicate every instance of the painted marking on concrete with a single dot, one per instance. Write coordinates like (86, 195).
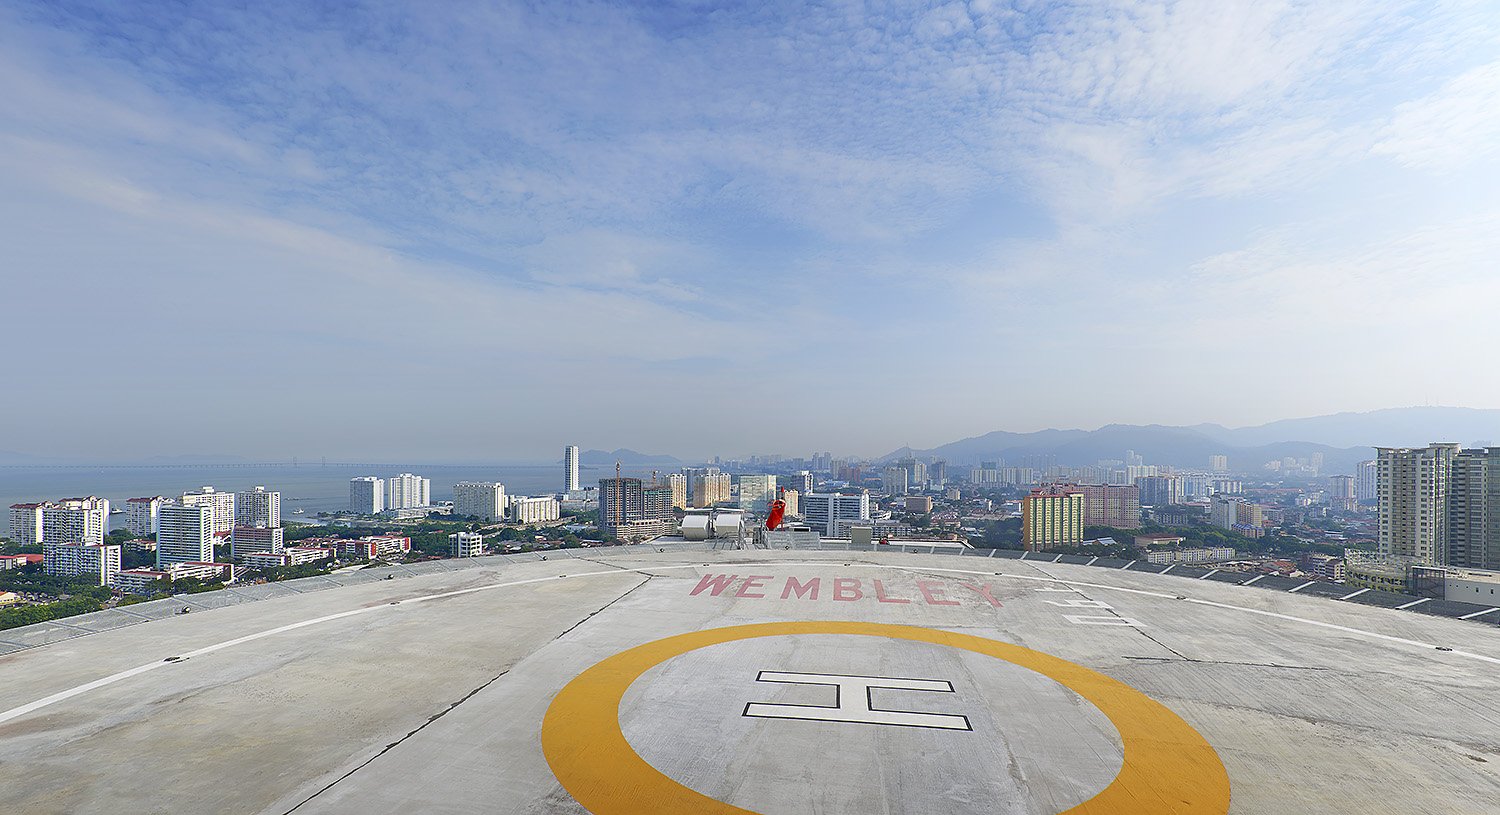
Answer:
(1079, 619)
(1252, 580)
(1353, 594)
(1091, 560)
(1131, 563)
(1303, 586)
(992, 553)
(854, 701)
(1024, 554)
(1210, 574)
(1169, 568)
(1079, 603)
(1057, 559)
(1413, 603)
(1479, 613)
(408, 602)
(1168, 766)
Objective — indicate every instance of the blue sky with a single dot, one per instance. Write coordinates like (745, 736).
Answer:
(479, 231)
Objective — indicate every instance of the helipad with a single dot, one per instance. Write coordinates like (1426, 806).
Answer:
(619, 681)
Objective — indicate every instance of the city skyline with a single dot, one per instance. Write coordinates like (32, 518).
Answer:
(1012, 199)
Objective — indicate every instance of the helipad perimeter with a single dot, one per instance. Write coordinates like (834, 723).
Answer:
(790, 682)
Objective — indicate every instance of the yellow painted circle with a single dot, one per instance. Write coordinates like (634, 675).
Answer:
(1168, 767)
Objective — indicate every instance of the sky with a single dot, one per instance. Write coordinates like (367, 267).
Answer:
(480, 231)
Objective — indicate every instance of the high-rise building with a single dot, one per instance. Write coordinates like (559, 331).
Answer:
(466, 544)
(570, 468)
(679, 486)
(1474, 511)
(538, 510)
(185, 534)
(92, 560)
(75, 520)
(709, 489)
(628, 508)
(245, 540)
(1113, 506)
(937, 474)
(1052, 517)
(1341, 493)
(1218, 463)
(916, 472)
(895, 480)
(801, 481)
(791, 498)
(756, 494)
(26, 523)
(406, 491)
(140, 515)
(222, 504)
(1414, 484)
(823, 510)
(481, 499)
(1161, 490)
(1367, 481)
(366, 495)
(258, 508)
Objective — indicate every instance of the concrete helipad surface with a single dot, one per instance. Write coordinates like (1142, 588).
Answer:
(754, 681)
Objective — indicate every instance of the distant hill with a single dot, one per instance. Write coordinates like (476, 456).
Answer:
(1343, 439)
(601, 458)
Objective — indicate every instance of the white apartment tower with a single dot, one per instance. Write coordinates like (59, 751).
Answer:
(91, 560)
(26, 524)
(185, 534)
(1367, 480)
(481, 499)
(366, 495)
(824, 510)
(75, 520)
(406, 491)
(570, 468)
(1414, 484)
(222, 504)
(140, 515)
(258, 508)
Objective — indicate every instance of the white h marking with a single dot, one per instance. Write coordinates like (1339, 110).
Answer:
(853, 703)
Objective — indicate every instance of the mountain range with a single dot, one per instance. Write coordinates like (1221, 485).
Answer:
(1343, 438)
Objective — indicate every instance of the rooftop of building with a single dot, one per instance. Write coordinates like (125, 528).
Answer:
(703, 679)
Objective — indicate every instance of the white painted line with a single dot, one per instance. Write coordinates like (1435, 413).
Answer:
(1301, 587)
(1253, 579)
(992, 553)
(1210, 574)
(1354, 594)
(1170, 567)
(1413, 603)
(1123, 621)
(1024, 554)
(1091, 561)
(1131, 563)
(1479, 613)
(1057, 559)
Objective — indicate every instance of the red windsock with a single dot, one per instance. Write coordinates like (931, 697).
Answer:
(778, 509)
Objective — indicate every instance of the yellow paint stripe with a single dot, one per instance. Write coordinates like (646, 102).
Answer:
(1169, 769)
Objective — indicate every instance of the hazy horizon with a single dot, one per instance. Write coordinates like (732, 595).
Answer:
(474, 232)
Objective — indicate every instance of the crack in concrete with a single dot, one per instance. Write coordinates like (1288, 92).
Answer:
(440, 714)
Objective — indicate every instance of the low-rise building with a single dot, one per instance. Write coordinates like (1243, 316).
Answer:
(247, 539)
(921, 504)
(290, 556)
(466, 544)
(1158, 539)
(141, 581)
(373, 547)
(538, 510)
(1207, 554)
(1326, 567)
